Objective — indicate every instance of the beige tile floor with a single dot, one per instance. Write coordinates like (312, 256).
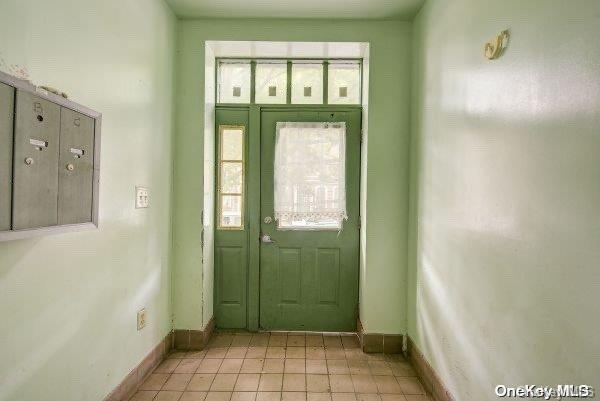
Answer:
(282, 367)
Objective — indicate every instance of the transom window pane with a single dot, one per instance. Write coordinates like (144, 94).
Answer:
(307, 83)
(234, 82)
(310, 176)
(231, 177)
(271, 83)
(343, 83)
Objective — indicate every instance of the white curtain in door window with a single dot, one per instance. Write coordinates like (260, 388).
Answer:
(310, 175)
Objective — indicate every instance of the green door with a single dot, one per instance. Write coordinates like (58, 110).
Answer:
(308, 274)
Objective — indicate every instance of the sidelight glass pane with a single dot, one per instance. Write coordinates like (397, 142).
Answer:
(343, 83)
(231, 177)
(307, 83)
(271, 83)
(309, 179)
(231, 211)
(234, 82)
(232, 143)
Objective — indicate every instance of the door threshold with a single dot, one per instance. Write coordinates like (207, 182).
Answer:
(311, 332)
(288, 332)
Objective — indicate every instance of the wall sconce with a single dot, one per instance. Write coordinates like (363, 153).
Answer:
(495, 47)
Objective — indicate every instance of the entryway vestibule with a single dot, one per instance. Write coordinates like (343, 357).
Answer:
(297, 269)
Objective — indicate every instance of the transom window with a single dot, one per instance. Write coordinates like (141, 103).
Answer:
(283, 81)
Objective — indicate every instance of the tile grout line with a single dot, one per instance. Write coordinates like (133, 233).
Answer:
(376, 367)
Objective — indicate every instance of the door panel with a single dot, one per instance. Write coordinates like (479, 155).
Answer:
(290, 275)
(231, 275)
(231, 243)
(309, 279)
(328, 272)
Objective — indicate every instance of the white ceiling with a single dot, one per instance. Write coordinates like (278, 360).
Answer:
(330, 9)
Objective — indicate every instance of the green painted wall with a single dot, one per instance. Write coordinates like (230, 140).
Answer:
(68, 302)
(383, 270)
(505, 188)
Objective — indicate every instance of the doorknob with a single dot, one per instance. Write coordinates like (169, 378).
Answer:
(266, 239)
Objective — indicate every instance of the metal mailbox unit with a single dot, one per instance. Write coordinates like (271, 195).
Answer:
(49, 162)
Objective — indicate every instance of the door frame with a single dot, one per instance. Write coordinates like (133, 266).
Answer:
(253, 198)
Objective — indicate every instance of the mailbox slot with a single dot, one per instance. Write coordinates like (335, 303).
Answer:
(35, 162)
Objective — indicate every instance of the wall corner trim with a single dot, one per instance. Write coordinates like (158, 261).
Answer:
(193, 340)
(378, 343)
(428, 376)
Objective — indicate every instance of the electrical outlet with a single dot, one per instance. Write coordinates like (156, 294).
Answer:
(141, 319)
(141, 198)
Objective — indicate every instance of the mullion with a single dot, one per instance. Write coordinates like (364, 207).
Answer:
(252, 82)
(289, 83)
(325, 82)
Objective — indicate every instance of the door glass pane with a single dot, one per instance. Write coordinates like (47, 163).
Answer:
(310, 176)
(234, 82)
(307, 83)
(343, 83)
(231, 144)
(271, 83)
(231, 211)
(231, 177)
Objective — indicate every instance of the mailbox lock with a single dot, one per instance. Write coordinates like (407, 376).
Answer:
(29, 161)
(70, 167)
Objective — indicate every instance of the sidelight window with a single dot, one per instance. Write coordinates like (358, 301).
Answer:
(231, 177)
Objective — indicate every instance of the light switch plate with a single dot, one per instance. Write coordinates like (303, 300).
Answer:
(141, 319)
(141, 198)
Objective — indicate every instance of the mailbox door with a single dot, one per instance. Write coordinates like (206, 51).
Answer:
(75, 167)
(7, 99)
(35, 164)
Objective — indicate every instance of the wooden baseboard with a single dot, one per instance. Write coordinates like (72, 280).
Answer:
(377, 343)
(193, 340)
(136, 377)
(430, 379)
